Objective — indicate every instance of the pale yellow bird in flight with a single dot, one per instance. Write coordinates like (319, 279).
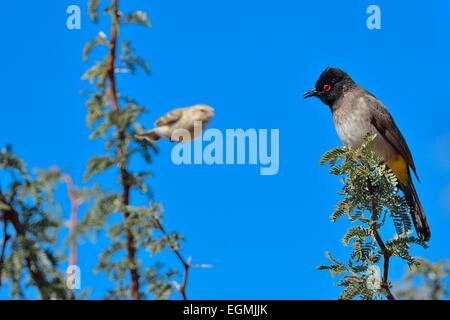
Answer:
(182, 119)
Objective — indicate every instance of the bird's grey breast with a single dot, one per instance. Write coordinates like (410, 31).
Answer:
(352, 118)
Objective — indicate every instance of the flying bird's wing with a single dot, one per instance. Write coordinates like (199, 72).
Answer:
(386, 126)
(169, 118)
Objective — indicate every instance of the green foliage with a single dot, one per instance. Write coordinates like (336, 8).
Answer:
(93, 9)
(31, 222)
(97, 74)
(99, 40)
(98, 165)
(426, 281)
(369, 194)
(131, 61)
(137, 17)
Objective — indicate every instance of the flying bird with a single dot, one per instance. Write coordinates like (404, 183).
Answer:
(185, 119)
(357, 112)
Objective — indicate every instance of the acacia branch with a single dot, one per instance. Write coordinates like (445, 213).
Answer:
(11, 215)
(6, 237)
(185, 263)
(385, 251)
(124, 181)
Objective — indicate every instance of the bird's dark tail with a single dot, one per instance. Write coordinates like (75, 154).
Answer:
(417, 214)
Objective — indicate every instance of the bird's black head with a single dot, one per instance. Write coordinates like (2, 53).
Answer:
(331, 84)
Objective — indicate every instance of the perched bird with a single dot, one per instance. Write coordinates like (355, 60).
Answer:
(180, 119)
(357, 112)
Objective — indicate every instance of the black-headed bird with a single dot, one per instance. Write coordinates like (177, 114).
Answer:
(356, 112)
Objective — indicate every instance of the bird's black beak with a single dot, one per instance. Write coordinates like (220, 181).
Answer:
(311, 93)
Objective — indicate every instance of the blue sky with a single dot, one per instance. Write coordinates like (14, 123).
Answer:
(250, 60)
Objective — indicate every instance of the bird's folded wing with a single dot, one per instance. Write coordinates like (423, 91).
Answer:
(386, 126)
(169, 118)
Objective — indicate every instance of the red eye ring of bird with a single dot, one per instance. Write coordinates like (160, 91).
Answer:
(326, 88)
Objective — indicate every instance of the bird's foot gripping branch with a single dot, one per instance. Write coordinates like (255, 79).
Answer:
(369, 194)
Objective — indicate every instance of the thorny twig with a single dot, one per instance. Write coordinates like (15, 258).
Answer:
(386, 252)
(185, 262)
(125, 198)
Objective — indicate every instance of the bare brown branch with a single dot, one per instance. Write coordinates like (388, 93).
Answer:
(185, 263)
(125, 198)
(112, 55)
(386, 253)
(75, 201)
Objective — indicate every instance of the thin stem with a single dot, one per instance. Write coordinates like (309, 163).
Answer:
(186, 263)
(112, 55)
(75, 201)
(6, 237)
(124, 181)
(131, 248)
(386, 253)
